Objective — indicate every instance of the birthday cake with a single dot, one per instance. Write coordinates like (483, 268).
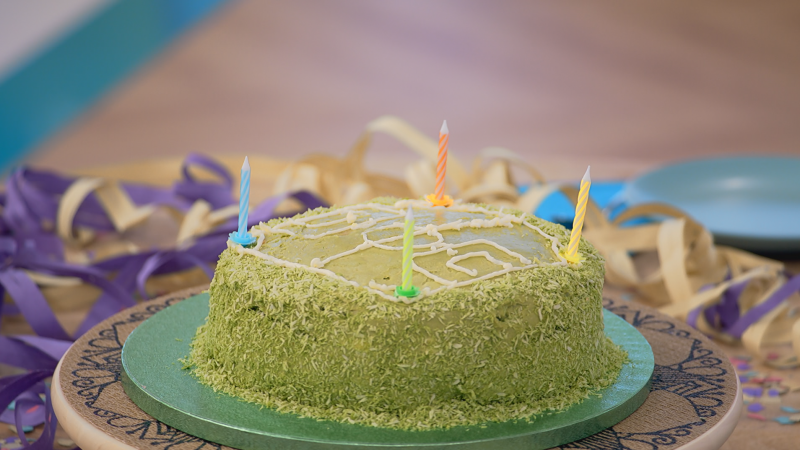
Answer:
(307, 320)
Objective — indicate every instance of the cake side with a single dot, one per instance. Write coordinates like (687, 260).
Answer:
(502, 348)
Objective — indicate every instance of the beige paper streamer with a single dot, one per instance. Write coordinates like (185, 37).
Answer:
(685, 257)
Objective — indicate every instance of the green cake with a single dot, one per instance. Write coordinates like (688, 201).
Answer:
(306, 321)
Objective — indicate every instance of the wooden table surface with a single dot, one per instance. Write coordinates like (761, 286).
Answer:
(623, 86)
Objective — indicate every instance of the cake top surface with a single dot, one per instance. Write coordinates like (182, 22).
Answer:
(362, 244)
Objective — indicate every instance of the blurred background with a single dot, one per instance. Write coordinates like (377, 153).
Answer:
(624, 86)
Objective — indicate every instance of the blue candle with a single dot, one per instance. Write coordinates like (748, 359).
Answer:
(244, 197)
(242, 236)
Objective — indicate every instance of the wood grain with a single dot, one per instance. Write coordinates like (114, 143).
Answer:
(623, 86)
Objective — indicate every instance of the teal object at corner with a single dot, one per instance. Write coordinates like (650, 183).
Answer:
(747, 202)
(50, 90)
(154, 378)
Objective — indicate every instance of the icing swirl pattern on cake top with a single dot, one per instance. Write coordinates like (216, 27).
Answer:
(368, 237)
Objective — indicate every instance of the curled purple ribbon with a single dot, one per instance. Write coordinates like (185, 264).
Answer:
(27, 244)
(726, 315)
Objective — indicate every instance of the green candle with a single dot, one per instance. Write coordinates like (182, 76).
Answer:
(408, 249)
(407, 289)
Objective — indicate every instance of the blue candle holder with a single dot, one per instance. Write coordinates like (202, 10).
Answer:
(243, 239)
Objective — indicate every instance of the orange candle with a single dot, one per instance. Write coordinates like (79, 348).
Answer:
(438, 198)
(441, 166)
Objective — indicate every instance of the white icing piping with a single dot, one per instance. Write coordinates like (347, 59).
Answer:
(473, 272)
(316, 265)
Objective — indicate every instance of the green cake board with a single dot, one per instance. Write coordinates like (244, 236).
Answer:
(154, 378)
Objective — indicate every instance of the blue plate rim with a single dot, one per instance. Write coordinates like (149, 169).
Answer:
(635, 193)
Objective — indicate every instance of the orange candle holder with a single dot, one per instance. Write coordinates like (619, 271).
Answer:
(446, 200)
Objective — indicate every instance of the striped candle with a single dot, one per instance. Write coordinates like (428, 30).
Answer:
(580, 214)
(408, 249)
(441, 165)
(244, 197)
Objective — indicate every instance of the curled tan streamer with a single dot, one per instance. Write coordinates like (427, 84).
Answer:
(686, 257)
(123, 213)
(667, 262)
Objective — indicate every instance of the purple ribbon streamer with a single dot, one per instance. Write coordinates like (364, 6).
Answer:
(217, 194)
(694, 314)
(12, 387)
(34, 306)
(757, 312)
(726, 315)
(28, 208)
(21, 415)
(160, 259)
(723, 314)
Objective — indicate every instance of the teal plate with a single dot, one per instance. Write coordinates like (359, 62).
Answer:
(747, 202)
(154, 378)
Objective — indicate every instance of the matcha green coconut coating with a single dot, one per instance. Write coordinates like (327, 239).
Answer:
(283, 334)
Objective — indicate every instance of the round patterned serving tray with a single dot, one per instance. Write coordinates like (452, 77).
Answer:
(693, 401)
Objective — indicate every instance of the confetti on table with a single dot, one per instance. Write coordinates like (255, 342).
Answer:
(744, 357)
(790, 410)
(743, 366)
(11, 405)
(783, 420)
(782, 389)
(792, 384)
(756, 416)
(753, 391)
(11, 443)
(773, 392)
(755, 407)
(773, 379)
(744, 378)
(25, 429)
(772, 356)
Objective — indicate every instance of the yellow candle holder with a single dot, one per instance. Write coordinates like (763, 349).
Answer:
(572, 259)
(445, 201)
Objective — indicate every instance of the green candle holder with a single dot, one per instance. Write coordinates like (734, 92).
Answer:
(410, 292)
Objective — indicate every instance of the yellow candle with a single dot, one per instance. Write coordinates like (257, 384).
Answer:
(580, 213)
